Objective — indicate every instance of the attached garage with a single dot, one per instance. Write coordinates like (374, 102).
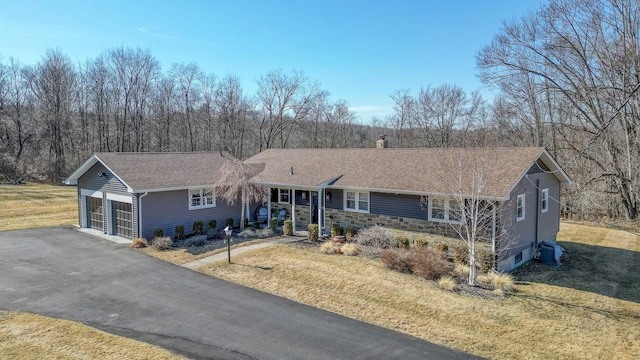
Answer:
(94, 213)
(122, 219)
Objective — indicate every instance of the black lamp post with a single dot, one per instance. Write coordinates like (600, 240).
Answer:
(228, 231)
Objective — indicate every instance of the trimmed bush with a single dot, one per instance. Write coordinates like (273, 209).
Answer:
(313, 232)
(484, 260)
(213, 224)
(246, 222)
(158, 232)
(447, 283)
(420, 242)
(442, 247)
(404, 242)
(329, 248)
(139, 243)
(288, 227)
(273, 223)
(229, 222)
(162, 243)
(256, 225)
(336, 230)
(350, 249)
(196, 240)
(397, 259)
(198, 228)
(350, 233)
(377, 237)
(461, 255)
(431, 264)
(180, 235)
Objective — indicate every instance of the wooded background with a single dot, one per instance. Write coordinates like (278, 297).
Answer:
(567, 79)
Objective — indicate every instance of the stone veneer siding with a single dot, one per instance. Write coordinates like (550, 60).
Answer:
(358, 220)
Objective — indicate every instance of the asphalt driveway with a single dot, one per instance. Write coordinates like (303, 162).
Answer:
(63, 273)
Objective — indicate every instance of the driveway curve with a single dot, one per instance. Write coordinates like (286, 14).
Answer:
(63, 273)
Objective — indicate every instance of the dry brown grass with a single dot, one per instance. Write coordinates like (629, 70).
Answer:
(29, 336)
(554, 313)
(36, 205)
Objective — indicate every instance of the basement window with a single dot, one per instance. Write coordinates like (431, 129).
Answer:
(518, 257)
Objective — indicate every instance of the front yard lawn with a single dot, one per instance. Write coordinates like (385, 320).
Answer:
(587, 308)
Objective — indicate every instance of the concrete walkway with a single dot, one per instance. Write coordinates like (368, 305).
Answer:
(239, 250)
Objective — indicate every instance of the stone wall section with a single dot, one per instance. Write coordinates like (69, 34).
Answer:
(358, 220)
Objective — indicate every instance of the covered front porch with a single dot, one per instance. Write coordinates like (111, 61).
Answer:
(303, 205)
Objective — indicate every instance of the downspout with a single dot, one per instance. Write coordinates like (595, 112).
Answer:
(493, 236)
(140, 213)
(535, 243)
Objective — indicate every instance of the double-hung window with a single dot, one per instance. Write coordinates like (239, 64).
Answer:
(520, 207)
(201, 198)
(544, 200)
(356, 201)
(283, 196)
(444, 210)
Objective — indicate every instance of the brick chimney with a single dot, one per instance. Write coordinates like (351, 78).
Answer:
(382, 143)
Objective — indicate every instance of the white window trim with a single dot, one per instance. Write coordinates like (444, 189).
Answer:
(202, 205)
(524, 207)
(544, 200)
(357, 195)
(280, 192)
(447, 208)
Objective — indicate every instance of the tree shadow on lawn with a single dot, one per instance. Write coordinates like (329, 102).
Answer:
(602, 270)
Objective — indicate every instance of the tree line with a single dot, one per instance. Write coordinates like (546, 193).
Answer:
(566, 76)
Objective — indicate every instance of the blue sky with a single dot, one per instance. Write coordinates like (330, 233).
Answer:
(360, 51)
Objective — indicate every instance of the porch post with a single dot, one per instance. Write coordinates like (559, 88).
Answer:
(269, 207)
(292, 196)
(320, 204)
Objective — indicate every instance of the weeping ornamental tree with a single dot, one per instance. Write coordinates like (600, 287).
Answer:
(235, 183)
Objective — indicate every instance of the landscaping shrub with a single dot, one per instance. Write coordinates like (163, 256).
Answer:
(397, 259)
(229, 222)
(350, 249)
(196, 240)
(139, 243)
(273, 223)
(256, 225)
(404, 242)
(265, 233)
(442, 247)
(247, 233)
(461, 271)
(350, 233)
(157, 232)
(313, 232)
(179, 232)
(420, 242)
(288, 227)
(430, 264)
(246, 222)
(162, 243)
(377, 236)
(461, 255)
(329, 248)
(198, 228)
(447, 283)
(484, 260)
(213, 224)
(504, 282)
(336, 230)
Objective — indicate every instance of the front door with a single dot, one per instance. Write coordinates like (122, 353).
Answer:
(314, 208)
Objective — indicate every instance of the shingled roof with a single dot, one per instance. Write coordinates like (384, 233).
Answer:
(159, 171)
(420, 170)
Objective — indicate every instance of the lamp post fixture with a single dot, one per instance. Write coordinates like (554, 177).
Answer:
(228, 231)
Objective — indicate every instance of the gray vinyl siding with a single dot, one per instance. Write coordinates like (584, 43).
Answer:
(406, 206)
(522, 234)
(336, 199)
(108, 183)
(167, 209)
